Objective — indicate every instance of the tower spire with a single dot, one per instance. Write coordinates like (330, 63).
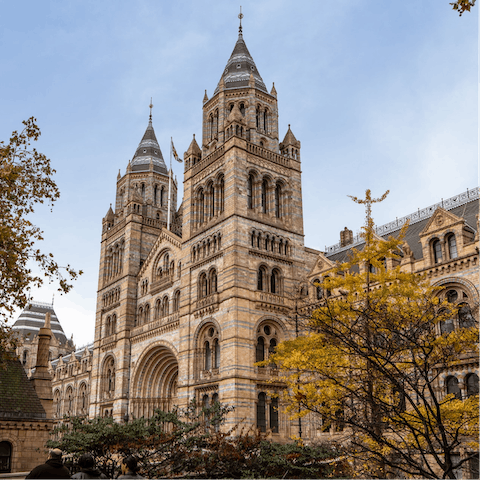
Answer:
(240, 16)
(151, 106)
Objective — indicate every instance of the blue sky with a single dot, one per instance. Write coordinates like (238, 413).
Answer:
(382, 95)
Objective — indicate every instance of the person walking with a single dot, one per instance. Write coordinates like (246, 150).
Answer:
(87, 468)
(129, 468)
(52, 468)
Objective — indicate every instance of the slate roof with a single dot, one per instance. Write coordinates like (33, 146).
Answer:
(33, 318)
(467, 209)
(18, 399)
(148, 150)
(239, 67)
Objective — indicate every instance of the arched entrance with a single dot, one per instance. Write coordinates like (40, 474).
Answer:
(155, 382)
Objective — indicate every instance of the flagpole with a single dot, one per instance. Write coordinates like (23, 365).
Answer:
(169, 186)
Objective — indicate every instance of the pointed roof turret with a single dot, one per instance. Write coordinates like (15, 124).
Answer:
(193, 149)
(110, 216)
(148, 151)
(240, 66)
(290, 139)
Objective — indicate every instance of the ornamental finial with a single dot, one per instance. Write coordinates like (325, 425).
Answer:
(151, 106)
(240, 16)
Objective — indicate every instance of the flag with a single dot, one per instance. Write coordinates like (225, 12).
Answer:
(175, 154)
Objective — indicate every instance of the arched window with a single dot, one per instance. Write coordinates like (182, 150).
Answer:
(25, 357)
(260, 350)
(176, 301)
(318, 289)
(278, 200)
(202, 286)
(447, 325)
(267, 341)
(221, 194)
(5, 457)
(472, 384)
(265, 120)
(216, 353)
(261, 414)
(158, 309)
(257, 117)
(261, 278)
(452, 246)
(275, 281)
(82, 399)
(162, 195)
(437, 251)
(452, 387)
(208, 356)
(146, 317)
(109, 386)
(165, 309)
(57, 404)
(155, 195)
(465, 317)
(143, 191)
(113, 326)
(264, 196)
(250, 203)
(212, 282)
(69, 399)
(211, 200)
(210, 341)
(139, 318)
(201, 207)
(274, 415)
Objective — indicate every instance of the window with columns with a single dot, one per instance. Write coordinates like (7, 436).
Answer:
(267, 413)
(109, 377)
(83, 399)
(267, 339)
(114, 260)
(207, 283)
(269, 280)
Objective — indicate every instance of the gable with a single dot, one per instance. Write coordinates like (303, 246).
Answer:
(439, 221)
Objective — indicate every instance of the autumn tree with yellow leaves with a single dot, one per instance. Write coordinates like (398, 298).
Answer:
(371, 358)
(26, 180)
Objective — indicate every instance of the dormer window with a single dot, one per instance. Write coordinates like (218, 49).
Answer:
(144, 150)
(239, 65)
(452, 246)
(437, 251)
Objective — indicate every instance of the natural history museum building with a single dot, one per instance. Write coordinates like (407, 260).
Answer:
(186, 312)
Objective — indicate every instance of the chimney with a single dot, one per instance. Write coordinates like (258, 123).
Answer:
(42, 380)
(346, 237)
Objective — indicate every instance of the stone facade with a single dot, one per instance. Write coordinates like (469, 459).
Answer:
(186, 313)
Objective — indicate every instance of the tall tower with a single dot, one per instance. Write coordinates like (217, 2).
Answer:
(243, 244)
(128, 234)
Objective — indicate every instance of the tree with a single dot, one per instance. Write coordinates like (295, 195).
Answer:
(26, 179)
(188, 443)
(371, 362)
(462, 6)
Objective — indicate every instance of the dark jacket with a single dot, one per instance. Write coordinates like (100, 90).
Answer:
(89, 473)
(50, 469)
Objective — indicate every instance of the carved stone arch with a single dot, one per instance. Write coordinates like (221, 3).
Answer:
(269, 318)
(463, 282)
(201, 326)
(207, 345)
(254, 172)
(268, 333)
(155, 378)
